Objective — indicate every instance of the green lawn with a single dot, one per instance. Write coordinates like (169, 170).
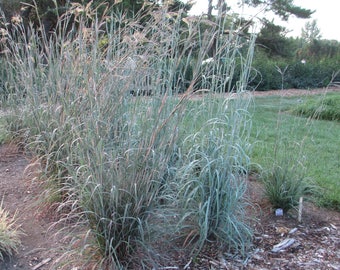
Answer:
(314, 143)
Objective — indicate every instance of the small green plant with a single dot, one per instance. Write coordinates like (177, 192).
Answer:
(284, 184)
(9, 234)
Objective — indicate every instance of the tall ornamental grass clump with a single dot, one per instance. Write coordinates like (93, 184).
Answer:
(212, 186)
(97, 101)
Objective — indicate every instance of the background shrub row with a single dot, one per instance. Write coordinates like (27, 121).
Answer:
(313, 74)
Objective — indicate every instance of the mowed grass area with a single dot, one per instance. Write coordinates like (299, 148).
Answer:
(315, 144)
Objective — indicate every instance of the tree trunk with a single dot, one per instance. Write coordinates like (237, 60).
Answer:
(210, 9)
(222, 7)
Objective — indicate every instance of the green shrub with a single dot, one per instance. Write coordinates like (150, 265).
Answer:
(311, 74)
(265, 75)
(326, 108)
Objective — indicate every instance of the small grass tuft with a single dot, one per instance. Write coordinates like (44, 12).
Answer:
(3, 130)
(284, 186)
(9, 234)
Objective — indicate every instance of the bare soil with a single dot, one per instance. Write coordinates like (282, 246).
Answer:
(297, 92)
(20, 193)
(316, 240)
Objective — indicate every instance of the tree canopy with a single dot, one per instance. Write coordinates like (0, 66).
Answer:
(46, 13)
(311, 31)
(283, 8)
(273, 39)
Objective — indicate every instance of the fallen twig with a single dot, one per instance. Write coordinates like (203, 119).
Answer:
(41, 263)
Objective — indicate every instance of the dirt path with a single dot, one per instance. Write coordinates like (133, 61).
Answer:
(296, 92)
(20, 195)
(316, 239)
(284, 92)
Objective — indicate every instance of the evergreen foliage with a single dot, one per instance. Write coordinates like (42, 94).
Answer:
(282, 8)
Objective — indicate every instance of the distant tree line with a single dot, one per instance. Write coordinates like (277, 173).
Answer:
(310, 60)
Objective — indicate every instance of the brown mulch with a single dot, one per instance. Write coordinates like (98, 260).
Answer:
(315, 240)
(284, 92)
(296, 92)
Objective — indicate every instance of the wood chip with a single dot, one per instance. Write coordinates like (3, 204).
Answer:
(293, 230)
(187, 265)
(283, 244)
(282, 230)
(41, 264)
(333, 226)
